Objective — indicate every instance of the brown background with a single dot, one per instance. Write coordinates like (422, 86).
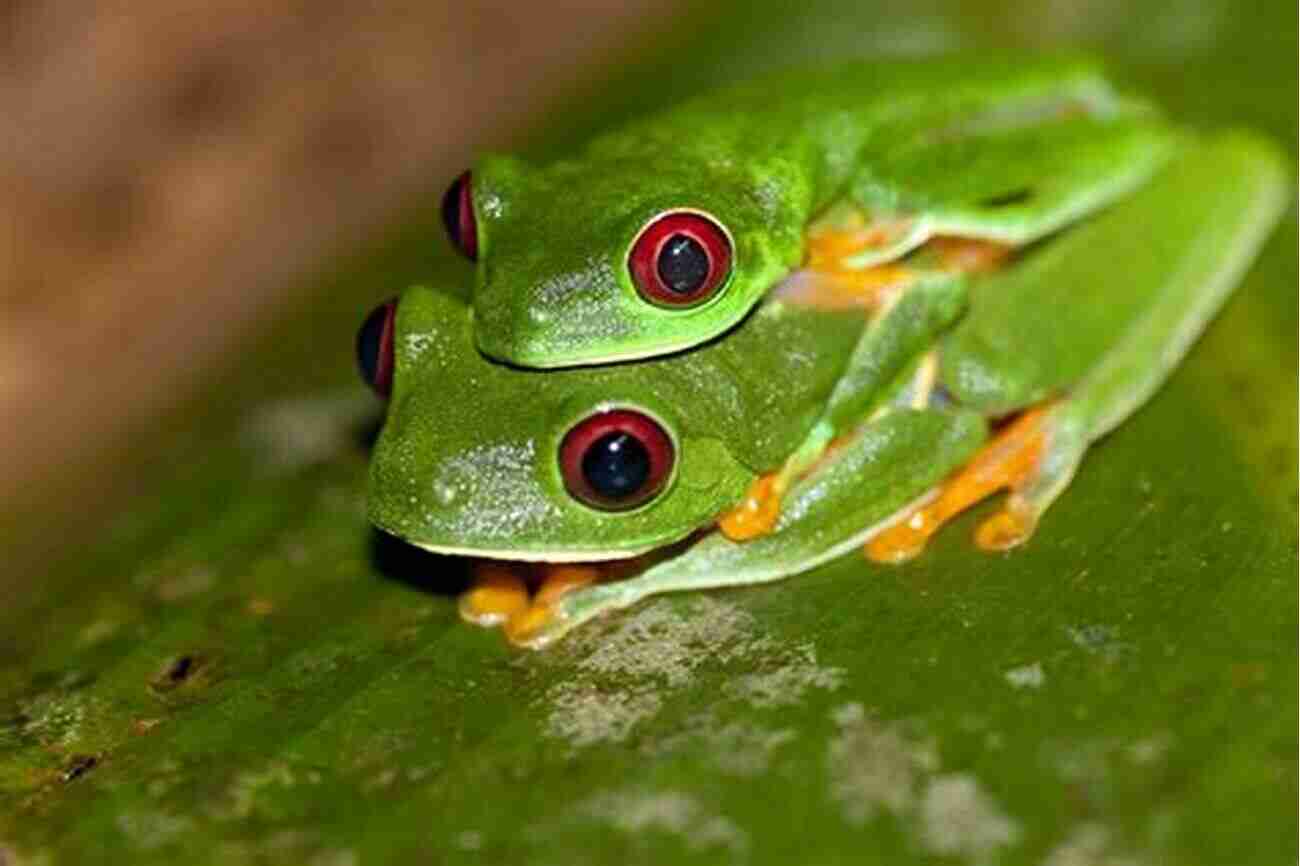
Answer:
(173, 173)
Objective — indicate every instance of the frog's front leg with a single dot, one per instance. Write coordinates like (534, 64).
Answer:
(831, 280)
(500, 594)
(876, 377)
(499, 591)
(850, 495)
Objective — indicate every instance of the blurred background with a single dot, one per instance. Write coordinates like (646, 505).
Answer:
(175, 175)
(184, 183)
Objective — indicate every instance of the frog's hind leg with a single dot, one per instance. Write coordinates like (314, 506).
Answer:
(1237, 185)
(1011, 459)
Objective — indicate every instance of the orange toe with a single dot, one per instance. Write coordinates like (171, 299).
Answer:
(1011, 457)
(757, 513)
(522, 628)
(498, 593)
(1004, 530)
(902, 541)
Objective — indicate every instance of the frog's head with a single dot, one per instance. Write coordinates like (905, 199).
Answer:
(612, 258)
(480, 458)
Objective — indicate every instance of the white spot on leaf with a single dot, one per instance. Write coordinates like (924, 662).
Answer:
(1029, 676)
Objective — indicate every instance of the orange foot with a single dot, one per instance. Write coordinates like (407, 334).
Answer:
(825, 284)
(757, 513)
(556, 581)
(1009, 460)
(830, 246)
(500, 594)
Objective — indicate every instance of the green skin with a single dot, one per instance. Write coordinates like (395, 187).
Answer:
(1000, 150)
(1095, 318)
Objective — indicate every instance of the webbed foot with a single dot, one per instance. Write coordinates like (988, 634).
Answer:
(757, 513)
(500, 597)
(499, 593)
(1015, 458)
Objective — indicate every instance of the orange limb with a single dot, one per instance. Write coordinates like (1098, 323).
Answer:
(968, 255)
(521, 628)
(1010, 459)
(845, 289)
(828, 247)
(757, 513)
(498, 594)
(848, 288)
(562, 578)
(556, 580)
(826, 284)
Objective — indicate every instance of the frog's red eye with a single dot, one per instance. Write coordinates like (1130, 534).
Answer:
(458, 217)
(375, 347)
(680, 259)
(617, 459)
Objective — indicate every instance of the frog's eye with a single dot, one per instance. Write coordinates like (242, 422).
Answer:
(682, 258)
(458, 217)
(617, 459)
(375, 347)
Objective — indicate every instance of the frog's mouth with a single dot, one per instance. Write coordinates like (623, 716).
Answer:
(530, 530)
(520, 594)
(557, 556)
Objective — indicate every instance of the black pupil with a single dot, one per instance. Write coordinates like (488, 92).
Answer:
(683, 264)
(617, 465)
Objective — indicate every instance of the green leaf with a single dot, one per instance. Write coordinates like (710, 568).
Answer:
(242, 672)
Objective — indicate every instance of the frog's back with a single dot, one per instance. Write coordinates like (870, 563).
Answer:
(827, 116)
(757, 163)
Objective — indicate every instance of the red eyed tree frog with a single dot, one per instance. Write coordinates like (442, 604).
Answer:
(664, 233)
(810, 425)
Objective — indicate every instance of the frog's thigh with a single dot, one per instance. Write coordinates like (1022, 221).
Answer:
(888, 464)
(1231, 190)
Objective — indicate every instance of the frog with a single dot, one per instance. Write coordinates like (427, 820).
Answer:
(578, 491)
(666, 231)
